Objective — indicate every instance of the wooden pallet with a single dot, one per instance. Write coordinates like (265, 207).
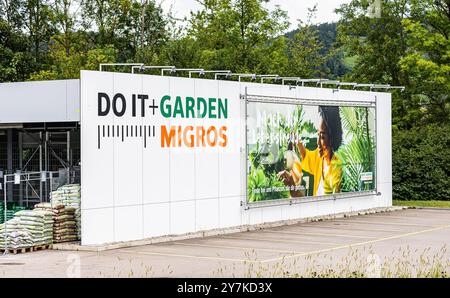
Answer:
(26, 249)
(16, 250)
(42, 247)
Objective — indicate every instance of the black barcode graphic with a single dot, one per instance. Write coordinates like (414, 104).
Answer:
(124, 132)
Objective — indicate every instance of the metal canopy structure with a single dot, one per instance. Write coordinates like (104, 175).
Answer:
(264, 77)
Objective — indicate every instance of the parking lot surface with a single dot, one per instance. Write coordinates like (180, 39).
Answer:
(349, 244)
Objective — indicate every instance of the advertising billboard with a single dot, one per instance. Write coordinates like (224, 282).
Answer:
(170, 155)
(296, 151)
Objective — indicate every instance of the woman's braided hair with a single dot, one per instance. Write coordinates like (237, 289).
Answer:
(332, 119)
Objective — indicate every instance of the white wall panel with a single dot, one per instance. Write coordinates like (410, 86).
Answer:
(245, 217)
(97, 175)
(28, 102)
(230, 179)
(230, 212)
(72, 99)
(386, 194)
(127, 166)
(97, 226)
(308, 209)
(128, 223)
(271, 214)
(255, 216)
(384, 138)
(156, 162)
(182, 217)
(207, 214)
(341, 206)
(207, 157)
(182, 160)
(325, 207)
(156, 220)
(289, 212)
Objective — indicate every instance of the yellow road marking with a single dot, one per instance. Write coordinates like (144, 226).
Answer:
(346, 227)
(280, 240)
(381, 223)
(188, 256)
(357, 244)
(405, 217)
(318, 234)
(237, 247)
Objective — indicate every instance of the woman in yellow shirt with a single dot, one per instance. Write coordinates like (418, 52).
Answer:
(322, 163)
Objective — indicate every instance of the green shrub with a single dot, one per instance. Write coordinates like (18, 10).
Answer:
(421, 163)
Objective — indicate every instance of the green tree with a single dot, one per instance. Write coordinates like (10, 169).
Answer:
(378, 45)
(65, 12)
(11, 12)
(427, 59)
(240, 35)
(26, 27)
(306, 59)
(408, 45)
(137, 28)
(68, 66)
(39, 25)
(16, 61)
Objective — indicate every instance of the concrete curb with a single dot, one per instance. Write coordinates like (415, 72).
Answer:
(110, 246)
(430, 208)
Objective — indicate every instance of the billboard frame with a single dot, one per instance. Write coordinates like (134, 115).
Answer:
(248, 98)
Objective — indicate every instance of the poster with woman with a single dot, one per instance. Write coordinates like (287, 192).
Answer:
(297, 151)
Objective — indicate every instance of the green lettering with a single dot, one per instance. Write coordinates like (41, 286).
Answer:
(201, 113)
(212, 108)
(223, 109)
(178, 108)
(190, 103)
(166, 110)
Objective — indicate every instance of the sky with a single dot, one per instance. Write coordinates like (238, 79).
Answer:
(297, 9)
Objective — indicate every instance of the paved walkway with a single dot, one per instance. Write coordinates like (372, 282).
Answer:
(364, 243)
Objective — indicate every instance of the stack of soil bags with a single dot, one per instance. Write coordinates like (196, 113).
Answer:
(15, 237)
(69, 196)
(64, 224)
(27, 228)
(39, 224)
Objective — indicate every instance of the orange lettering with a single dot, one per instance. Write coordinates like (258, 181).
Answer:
(166, 139)
(189, 142)
(208, 137)
(200, 136)
(224, 137)
(179, 136)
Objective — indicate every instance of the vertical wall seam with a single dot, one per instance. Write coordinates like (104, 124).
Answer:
(218, 170)
(170, 174)
(195, 173)
(142, 167)
(114, 171)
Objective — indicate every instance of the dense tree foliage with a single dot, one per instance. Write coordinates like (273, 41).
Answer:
(420, 163)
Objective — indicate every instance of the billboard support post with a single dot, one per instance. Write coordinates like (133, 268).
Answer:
(246, 151)
(376, 147)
